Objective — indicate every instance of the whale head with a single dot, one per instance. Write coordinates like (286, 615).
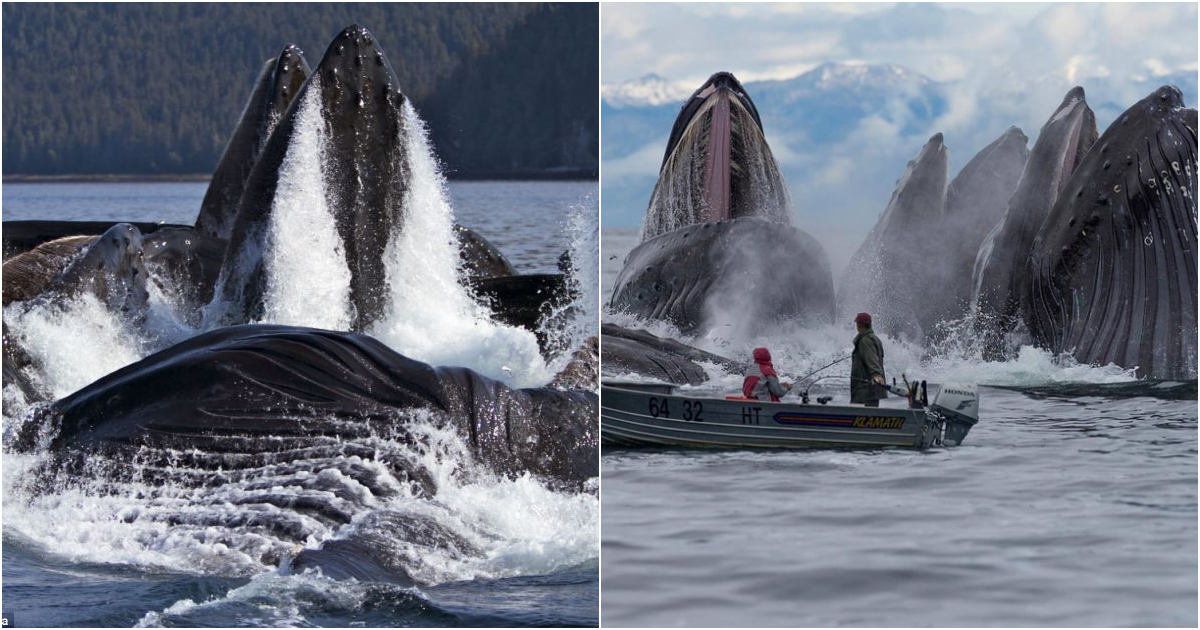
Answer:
(717, 164)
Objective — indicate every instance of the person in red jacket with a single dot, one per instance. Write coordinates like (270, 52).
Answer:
(761, 379)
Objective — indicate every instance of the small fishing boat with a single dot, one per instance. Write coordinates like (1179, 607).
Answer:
(654, 414)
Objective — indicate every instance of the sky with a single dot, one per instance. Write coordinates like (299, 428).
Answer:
(1007, 63)
(944, 41)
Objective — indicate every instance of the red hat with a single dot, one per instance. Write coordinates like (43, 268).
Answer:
(863, 318)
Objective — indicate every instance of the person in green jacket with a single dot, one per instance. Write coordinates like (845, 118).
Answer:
(867, 381)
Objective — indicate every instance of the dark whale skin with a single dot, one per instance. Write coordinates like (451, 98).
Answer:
(264, 388)
(884, 273)
(746, 270)
(367, 177)
(999, 289)
(717, 165)
(278, 83)
(1112, 274)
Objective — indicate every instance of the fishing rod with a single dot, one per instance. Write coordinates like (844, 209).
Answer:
(824, 366)
(804, 394)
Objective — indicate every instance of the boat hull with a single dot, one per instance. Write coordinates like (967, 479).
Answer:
(634, 415)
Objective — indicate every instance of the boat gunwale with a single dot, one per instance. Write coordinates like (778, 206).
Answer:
(788, 429)
(659, 438)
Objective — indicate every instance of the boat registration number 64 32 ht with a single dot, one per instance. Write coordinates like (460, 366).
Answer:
(654, 414)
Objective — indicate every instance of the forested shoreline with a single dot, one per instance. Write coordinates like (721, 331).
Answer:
(155, 90)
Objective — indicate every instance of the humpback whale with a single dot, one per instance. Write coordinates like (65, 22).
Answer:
(278, 83)
(480, 258)
(28, 273)
(1112, 272)
(26, 276)
(1066, 137)
(22, 236)
(108, 267)
(259, 391)
(181, 261)
(628, 351)
(735, 276)
(718, 250)
(975, 202)
(185, 264)
(294, 446)
(717, 164)
(880, 276)
(354, 94)
(291, 446)
(908, 242)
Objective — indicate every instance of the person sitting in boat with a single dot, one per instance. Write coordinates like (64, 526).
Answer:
(761, 379)
(867, 382)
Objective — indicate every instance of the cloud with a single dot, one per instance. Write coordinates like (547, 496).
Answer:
(626, 24)
(641, 162)
(942, 41)
(1138, 21)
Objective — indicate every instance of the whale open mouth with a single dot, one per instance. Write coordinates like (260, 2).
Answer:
(717, 164)
(710, 110)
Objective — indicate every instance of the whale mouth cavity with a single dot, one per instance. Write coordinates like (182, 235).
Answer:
(719, 85)
(724, 133)
(717, 164)
(1075, 149)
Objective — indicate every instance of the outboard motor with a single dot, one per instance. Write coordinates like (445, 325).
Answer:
(957, 405)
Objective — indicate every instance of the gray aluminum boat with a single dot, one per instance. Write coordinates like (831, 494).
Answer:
(654, 414)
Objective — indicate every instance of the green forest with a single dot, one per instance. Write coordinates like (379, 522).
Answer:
(156, 89)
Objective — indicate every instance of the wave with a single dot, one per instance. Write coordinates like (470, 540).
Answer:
(800, 350)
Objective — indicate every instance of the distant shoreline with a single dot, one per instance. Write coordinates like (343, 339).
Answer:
(557, 175)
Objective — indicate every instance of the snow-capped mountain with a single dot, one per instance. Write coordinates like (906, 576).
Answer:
(819, 106)
(648, 91)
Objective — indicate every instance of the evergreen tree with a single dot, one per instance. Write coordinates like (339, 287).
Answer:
(158, 88)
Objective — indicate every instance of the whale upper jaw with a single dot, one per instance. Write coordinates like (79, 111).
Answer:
(717, 165)
(720, 83)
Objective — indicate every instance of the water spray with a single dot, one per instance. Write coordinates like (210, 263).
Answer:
(804, 394)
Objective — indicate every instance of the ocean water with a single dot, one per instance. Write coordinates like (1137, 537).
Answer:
(1073, 502)
(76, 554)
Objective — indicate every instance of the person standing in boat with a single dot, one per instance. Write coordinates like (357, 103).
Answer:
(867, 381)
(761, 379)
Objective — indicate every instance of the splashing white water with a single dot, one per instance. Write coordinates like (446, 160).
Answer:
(518, 526)
(568, 325)
(432, 317)
(798, 350)
(308, 280)
(521, 527)
(272, 600)
(72, 342)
